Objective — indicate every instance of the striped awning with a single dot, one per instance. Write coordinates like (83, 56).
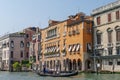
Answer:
(78, 47)
(70, 48)
(74, 47)
(58, 49)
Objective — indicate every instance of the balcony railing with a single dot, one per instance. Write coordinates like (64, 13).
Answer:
(118, 43)
(64, 52)
(55, 35)
(110, 44)
(70, 33)
(77, 31)
(99, 46)
(52, 37)
(64, 33)
(52, 54)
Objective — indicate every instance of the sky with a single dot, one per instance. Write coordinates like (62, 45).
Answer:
(15, 15)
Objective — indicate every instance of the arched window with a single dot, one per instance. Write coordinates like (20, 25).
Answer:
(98, 36)
(28, 44)
(21, 44)
(109, 31)
(12, 44)
(117, 28)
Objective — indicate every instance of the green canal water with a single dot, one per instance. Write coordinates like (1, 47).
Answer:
(33, 76)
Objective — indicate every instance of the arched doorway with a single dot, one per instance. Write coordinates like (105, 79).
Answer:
(79, 65)
(88, 64)
(50, 64)
(74, 65)
(70, 65)
(47, 64)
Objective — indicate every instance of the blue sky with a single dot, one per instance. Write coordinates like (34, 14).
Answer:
(16, 15)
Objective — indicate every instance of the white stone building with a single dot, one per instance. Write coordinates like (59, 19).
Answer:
(107, 36)
(12, 49)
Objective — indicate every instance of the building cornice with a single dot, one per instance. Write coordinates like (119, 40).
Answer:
(106, 8)
(107, 23)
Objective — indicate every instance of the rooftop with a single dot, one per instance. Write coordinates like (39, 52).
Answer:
(106, 7)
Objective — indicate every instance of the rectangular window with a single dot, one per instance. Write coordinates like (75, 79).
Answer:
(117, 15)
(98, 21)
(118, 35)
(110, 37)
(109, 17)
(98, 38)
(21, 54)
(11, 54)
(27, 55)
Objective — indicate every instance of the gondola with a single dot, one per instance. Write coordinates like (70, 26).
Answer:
(60, 74)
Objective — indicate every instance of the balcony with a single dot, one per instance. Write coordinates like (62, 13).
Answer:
(77, 32)
(64, 52)
(110, 44)
(99, 46)
(52, 36)
(70, 33)
(64, 34)
(51, 54)
(118, 43)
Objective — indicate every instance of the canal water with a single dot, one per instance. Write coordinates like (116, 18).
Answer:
(33, 76)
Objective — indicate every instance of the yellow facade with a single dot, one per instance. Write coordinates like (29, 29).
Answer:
(66, 45)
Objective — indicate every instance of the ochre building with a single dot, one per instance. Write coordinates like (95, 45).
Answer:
(67, 45)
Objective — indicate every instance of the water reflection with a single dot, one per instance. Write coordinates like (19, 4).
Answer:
(33, 76)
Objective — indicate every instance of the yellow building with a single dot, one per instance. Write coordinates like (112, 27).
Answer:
(66, 45)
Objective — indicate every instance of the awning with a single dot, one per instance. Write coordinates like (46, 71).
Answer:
(78, 47)
(74, 47)
(53, 49)
(58, 49)
(70, 47)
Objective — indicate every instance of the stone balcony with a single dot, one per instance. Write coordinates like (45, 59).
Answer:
(98, 46)
(118, 43)
(52, 37)
(110, 44)
(50, 55)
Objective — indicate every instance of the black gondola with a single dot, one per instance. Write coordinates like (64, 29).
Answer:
(60, 74)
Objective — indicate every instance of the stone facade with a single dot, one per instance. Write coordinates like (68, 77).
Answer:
(35, 50)
(12, 49)
(107, 36)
